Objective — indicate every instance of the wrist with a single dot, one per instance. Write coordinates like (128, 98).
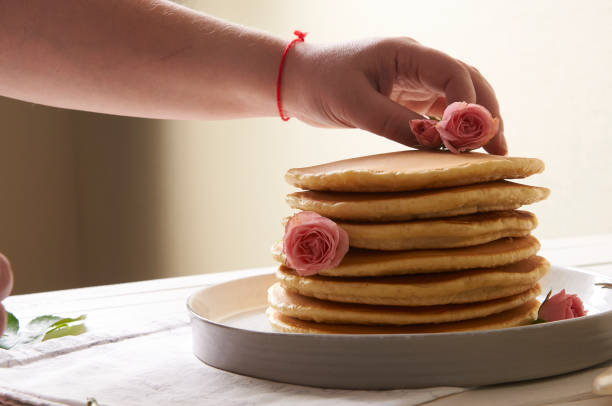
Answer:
(296, 78)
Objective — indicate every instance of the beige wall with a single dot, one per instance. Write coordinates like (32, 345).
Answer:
(119, 198)
(80, 198)
(38, 226)
(90, 199)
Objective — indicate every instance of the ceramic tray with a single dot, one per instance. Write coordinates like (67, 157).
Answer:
(231, 332)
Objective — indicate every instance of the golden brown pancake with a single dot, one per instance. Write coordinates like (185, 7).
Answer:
(517, 316)
(450, 232)
(411, 170)
(323, 311)
(359, 262)
(474, 285)
(402, 206)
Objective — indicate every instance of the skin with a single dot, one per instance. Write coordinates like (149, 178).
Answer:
(156, 59)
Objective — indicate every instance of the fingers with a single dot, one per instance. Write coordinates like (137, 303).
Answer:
(378, 114)
(456, 81)
(485, 96)
(438, 107)
(498, 145)
(438, 72)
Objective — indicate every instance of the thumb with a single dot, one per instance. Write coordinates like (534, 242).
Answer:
(379, 114)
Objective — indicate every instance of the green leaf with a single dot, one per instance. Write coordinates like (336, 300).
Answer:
(42, 323)
(47, 327)
(67, 320)
(65, 329)
(11, 334)
(92, 402)
(43, 328)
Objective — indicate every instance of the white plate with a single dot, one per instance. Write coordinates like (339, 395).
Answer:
(231, 332)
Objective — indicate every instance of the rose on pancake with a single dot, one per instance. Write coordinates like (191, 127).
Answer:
(465, 126)
(561, 307)
(6, 285)
(426, 133)
(312, 243)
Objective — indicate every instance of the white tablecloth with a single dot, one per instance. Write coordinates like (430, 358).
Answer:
(138, 351)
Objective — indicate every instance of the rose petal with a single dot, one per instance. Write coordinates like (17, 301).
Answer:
(313, 242)
(426, 133)
(466, 126)
(561, 307)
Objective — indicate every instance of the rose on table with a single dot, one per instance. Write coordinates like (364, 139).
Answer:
(561, 306)
(41, 328)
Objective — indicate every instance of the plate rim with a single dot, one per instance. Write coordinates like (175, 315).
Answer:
(415, 336)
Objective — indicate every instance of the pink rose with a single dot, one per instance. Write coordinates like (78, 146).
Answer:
(466, 126)
(426, 133)
(6, 285)
(312, 243)
(560, 307)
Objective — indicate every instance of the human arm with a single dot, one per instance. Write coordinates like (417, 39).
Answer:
(157, 59)
(138, 58)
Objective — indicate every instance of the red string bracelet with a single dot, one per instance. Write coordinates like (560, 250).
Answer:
(300, 38)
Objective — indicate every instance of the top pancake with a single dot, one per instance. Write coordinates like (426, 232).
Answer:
(411, 170)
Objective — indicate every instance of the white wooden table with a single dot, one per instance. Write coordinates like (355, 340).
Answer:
(137, 351)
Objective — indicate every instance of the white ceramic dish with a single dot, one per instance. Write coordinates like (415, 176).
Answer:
(231, 332)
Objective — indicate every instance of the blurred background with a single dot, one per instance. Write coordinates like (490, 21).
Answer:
(90, 199)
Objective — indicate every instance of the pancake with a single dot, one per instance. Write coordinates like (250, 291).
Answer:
(359, 262)
(518, 316)
(474, 285)
(451, 232)
(377, 207)
(411, 170)
(322, 311)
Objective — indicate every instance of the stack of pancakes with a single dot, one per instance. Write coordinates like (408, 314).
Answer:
(436, 242)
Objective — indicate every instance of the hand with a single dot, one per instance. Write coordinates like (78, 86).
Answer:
(380, 85)
(6, 285)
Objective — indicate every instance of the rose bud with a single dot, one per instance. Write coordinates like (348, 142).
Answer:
(466, 126)
(426, 133)
(312, 243)
(560, 307)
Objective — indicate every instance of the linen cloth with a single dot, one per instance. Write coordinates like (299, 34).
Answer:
(138, 351)
(159, 369)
